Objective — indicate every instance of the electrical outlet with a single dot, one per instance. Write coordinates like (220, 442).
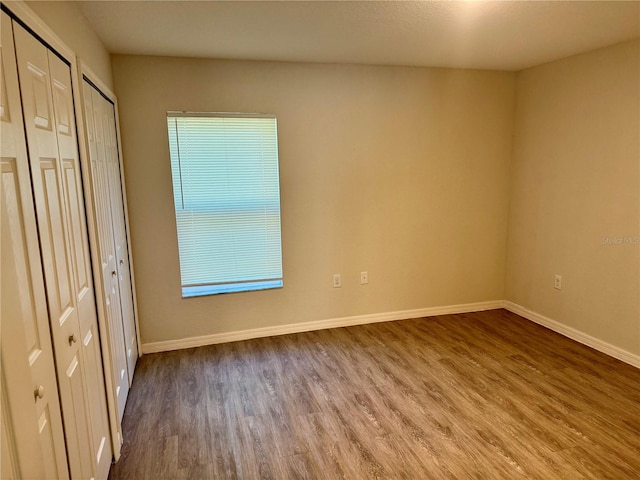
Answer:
(337, 280)
(364, 278)
(557, 282)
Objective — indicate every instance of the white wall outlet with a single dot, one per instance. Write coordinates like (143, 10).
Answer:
(557, 282)
(337, 280)
(364, 278)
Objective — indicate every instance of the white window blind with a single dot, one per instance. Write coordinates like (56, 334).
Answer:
(227, 201)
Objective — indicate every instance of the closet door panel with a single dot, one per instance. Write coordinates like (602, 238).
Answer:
(28, 377)
(120, 236)
(90, 345)
(97, 149)
(81, 264)
(27, 355)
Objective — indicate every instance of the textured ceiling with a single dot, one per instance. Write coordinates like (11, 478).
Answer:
(488, 35)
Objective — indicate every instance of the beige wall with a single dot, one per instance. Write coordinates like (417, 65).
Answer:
(70, 24)
(402, 172)
(575, 184)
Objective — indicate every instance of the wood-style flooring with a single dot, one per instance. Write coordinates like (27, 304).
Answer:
(484, 395)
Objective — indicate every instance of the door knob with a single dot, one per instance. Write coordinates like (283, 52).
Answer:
(121, 262)
(72, 339)
(38, 392)
(113, 274)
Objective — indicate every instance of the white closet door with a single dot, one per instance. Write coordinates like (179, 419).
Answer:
(94, 114)
(53, 151)
(72, 183)
(31, 418)
(120, 236)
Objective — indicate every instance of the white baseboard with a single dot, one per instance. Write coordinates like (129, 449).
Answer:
(572, 333)
(316, 325)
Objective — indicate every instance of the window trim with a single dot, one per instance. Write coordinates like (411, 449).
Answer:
(215, 288)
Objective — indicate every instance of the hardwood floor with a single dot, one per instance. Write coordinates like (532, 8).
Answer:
(483, 395)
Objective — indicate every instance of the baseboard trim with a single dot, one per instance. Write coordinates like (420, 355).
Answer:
(190, 342)
(572, 333)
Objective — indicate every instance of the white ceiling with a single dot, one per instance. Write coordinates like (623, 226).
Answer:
(488, 35)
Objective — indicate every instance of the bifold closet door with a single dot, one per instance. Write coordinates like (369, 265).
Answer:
(32, 434)
(120, 233)
(95, 119)
(45, 83)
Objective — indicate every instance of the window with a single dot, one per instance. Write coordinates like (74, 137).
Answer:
(227, 201)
